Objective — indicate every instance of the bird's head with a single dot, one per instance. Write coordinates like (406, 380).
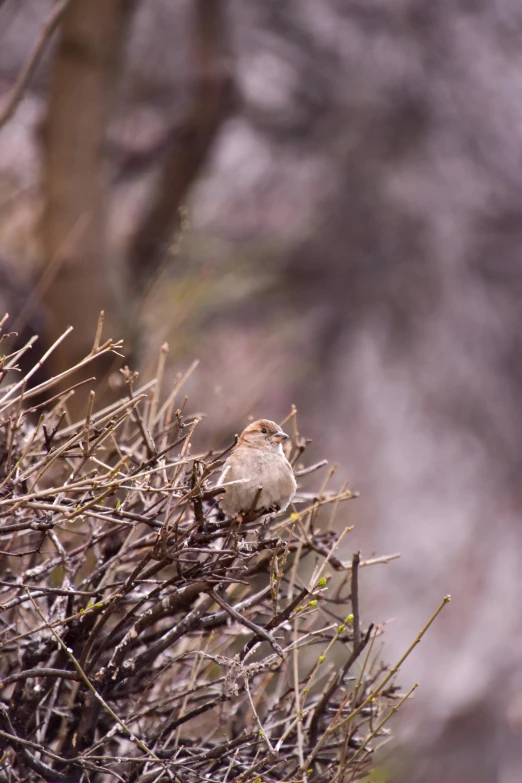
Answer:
(263, 434)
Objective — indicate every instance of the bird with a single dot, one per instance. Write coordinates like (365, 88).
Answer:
(258, 459)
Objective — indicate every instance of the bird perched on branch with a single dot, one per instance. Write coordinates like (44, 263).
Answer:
(268, 478)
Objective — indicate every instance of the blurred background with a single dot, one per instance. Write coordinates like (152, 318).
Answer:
(321, 200)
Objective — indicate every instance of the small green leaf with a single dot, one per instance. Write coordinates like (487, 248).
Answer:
(321, 582)
(312, 603)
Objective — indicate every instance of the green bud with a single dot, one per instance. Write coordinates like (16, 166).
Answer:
(321, 582)
(349, 619)
(313, 603)
(321, 658)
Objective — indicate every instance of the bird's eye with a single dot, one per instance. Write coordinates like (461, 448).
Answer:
(264, 430)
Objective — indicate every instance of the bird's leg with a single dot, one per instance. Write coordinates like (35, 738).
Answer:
(265, 527)
(263, 530)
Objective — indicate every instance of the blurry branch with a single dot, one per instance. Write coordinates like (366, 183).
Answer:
(17, 91)
(47, 275)
(355, 599)
(190, 143)
(311, 468)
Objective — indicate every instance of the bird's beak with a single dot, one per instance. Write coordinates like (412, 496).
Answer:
(280, 436)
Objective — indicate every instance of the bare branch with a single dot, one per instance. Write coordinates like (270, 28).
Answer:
(152, 612)
(46, 32)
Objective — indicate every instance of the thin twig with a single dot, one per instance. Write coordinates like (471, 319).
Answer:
(260, 632)
(376, 691)
(355, 599)
(46, 31)
(141, 745)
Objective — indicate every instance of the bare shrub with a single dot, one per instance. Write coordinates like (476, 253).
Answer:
(145, 638)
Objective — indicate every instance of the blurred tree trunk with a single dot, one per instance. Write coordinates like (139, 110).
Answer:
(190, 142)
(75, 185)
(85, 70)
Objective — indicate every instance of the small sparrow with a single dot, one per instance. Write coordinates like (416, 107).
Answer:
(258, 457)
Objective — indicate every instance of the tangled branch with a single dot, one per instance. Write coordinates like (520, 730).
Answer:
(144, 637)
